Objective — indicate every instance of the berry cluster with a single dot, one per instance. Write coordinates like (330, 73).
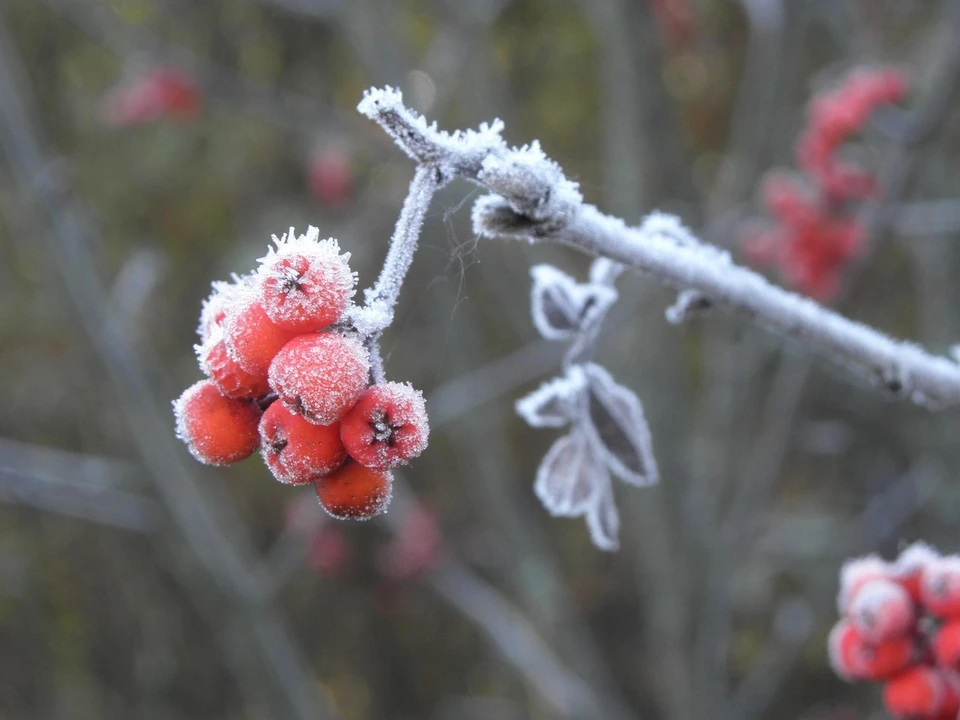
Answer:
(159, 93)
(814, 235)
(287, 374)
(901, 627)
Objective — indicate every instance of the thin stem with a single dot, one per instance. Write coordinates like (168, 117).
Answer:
(371, 319)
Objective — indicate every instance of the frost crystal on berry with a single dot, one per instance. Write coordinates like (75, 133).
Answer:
(305, 284)
(320, 375)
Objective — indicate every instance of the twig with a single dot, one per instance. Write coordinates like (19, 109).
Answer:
(534, 201)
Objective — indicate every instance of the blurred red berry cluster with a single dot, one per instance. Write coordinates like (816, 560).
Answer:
(330, 176)
(675, 20)
(814, 234)
(900, 626)
(288, 376)
(159, 93)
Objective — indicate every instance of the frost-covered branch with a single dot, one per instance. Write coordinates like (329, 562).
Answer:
(534, 201)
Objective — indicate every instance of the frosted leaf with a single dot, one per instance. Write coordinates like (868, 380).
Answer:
(688, 303)
(603, 520)
(555, 403)
(620, 428)
(566, 476)
(561, 306)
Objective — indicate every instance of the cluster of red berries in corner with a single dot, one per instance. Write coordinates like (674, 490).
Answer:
(814, 234)
(287, 375)
(900, 626)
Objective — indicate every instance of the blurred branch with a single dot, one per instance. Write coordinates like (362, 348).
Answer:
(928, 217)
(74, 484)
(223, 552)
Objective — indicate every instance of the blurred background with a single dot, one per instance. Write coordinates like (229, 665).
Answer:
(148, 147)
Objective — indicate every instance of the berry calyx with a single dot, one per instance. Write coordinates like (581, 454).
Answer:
(305, 284)
(253, 340)
(218, 430)
(387, 427)
(355, 492)
(320, 375)
(297, 451)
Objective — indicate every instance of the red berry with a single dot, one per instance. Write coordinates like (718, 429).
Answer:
(232, 380)
(946, 645)
(354, 492)
(331, 178)
(320, 375)
(297, 451)
(880, 610)
(225, 296)
(218, 430)
(853, 658)
(919, 692)
(940, 587)
(305, 284)
(328, 552)
(387, 427)
(253, 340)
(856, 573)
(160, 92)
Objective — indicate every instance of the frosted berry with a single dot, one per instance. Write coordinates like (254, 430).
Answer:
(940, 588)
(856, 573)
(231, 379)
(297, 451)
(354, 492)
(387, 427)
(253, 340)
(305, 284)
(909, 568)
(920, 692)
(225, 295)
(853, 658)
(159, 93)
(881, 609)
(320, 375)
(218, 430)
(331, 178)
(946, 645)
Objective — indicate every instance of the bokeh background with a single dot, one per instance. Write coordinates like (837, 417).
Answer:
(135, 582)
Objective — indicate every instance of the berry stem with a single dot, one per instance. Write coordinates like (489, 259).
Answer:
(377, 314)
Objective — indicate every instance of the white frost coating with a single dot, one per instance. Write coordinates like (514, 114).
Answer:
(856, 573)
(223, 297)
(914, 559)
(565, 478)
(619, 427)
(688, 303)
(305, 283)
(556, 403)
(660, 247)
(561, 306)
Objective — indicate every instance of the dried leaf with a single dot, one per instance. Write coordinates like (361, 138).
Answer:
(561, 307)
(618, 425)
(603, 520)
(567, 475)
(555, 403)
